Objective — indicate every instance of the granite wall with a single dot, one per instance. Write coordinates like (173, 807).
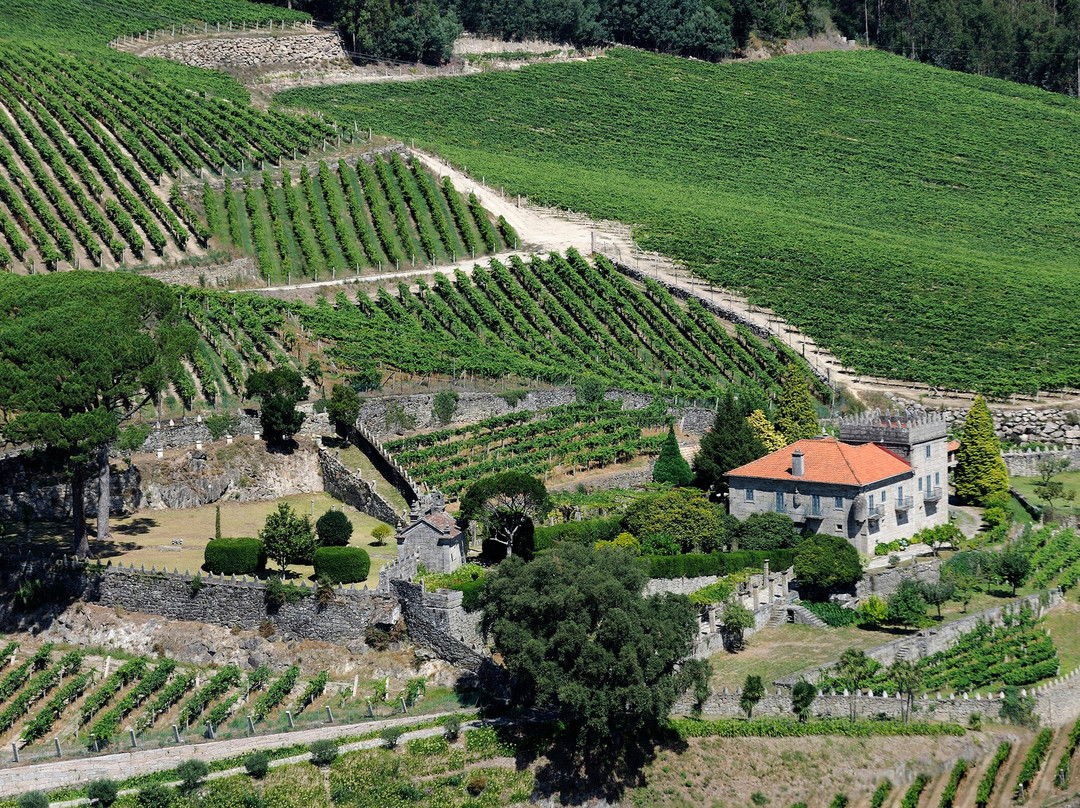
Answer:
(352, 489)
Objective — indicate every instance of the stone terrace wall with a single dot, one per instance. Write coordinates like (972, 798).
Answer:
(885, 582)
(253, 50)
(1026, 463)
(352, 489)
(473, 407)
(225, 602)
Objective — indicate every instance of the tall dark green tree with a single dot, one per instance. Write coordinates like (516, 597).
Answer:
(278, 390)
(671, 466)
(795, 415)
(980, 471)
(577, 637)
(80, 353)
(730, 443)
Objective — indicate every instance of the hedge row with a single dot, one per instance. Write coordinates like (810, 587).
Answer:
(342, 565)
(587, 531)
(240, 556)
(694, 565)
(790, 727)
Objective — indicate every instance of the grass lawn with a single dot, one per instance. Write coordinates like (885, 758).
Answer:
(145, 537)
(777, 652)
(353, 458)
(1063, 623)
(1069, 479)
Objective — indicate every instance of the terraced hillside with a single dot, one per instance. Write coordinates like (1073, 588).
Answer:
(919, 223)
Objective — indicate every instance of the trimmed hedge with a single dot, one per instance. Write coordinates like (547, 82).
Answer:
(240, 556)
(342, 565)
(694, 565)
(587, 531)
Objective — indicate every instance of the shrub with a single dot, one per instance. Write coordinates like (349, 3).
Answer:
(693, 565)
(380, 533)
(390, 737)
(444, 405)
(833, 614)
(827, 563)
(33, 799)
(191, 774)
(624, 541)
(476, 784)
(240, 556)
(222, 425)
(103, 792)
(278, 593)
(452, 725)
(992, 517)
(324, 752)
(766, 531)
(342, 565)
(377, 638)
(257, 764)
(334, 529)
(429, 747)
(156, 795)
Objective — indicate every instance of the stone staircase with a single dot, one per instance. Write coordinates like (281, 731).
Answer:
(793, 613)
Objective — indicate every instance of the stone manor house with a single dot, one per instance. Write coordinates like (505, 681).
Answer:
(885, 478)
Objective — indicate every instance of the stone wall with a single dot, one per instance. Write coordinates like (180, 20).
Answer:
(1026, 463)
(253, 51)
(225, 602)
(239, 272)
(473, 407)
(885, 582)
(352, 489)
(184, 433)
(1025, 425)
(47, 494)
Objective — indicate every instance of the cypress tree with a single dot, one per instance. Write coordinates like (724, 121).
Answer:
(980, 472)
(730, 443)
(795, 416)
(671, 466)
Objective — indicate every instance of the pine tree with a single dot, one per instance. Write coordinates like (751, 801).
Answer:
(765, 432)
(729, 444)
(980, 472)
(795, 416)
(671, 466)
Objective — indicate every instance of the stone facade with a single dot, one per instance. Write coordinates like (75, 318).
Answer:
(432, 536)
(882, 511)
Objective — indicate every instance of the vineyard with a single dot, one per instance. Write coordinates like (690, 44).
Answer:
(885, 207)
(574, 436)
(1055, 558)
(342, 220)
(552, 319)
(91, 704)
(1018, 653)
(92, 152)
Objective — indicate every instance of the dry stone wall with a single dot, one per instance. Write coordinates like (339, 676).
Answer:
(885, 582)
(253, 51)
(352, 489)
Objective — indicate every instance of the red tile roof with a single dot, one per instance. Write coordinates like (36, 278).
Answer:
(954, 445)
(827, 460)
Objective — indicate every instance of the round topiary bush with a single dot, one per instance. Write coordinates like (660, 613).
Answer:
(103, 792)
(33, 799)
(334, 529)
(242, 556)
(342, 565)
(323, 753)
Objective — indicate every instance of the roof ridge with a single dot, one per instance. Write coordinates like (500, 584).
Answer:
(843, 454)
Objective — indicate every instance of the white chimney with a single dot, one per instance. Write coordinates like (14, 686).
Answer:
(798, 467)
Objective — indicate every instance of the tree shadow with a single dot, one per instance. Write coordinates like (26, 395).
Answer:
(285, 446)
(139, 526)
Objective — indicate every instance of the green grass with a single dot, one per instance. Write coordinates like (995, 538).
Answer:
(919, 222)
(1026, 486)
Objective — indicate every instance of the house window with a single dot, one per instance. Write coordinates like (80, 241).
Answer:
(779, 501)
(872, 502)
(749, 494)
(900, 493)
(838, 503)
(839, 528)
(920, 483)
(815, 505)
(937, 478)
(928, 482)
(928, 450)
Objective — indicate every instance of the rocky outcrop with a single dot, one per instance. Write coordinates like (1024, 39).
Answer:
(253, 51)
(243, 471)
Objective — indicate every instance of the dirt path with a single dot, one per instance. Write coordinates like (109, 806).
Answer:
(1001, 797)
(969, 786)
(1043, 789)
(931, 796)
(63, 773)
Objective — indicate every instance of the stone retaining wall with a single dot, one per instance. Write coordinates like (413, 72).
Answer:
(885, 582)
(253, 51)
(352, 489)
(225, 602)
(1026, 463)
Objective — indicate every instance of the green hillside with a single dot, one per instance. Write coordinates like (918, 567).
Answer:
(920, 223)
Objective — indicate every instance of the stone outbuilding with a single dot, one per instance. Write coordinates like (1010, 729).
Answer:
(433, 536)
